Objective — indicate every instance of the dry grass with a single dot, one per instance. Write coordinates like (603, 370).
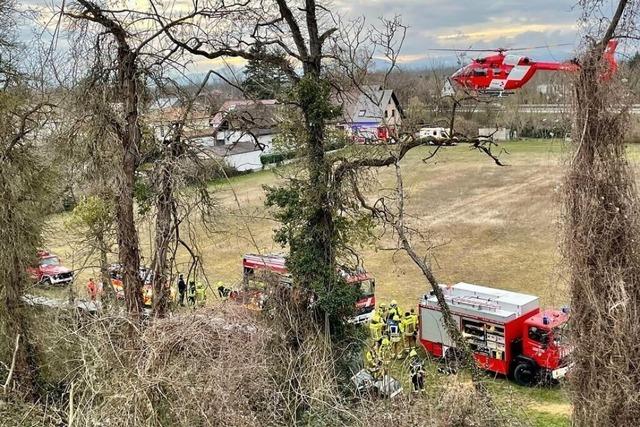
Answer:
(497, 225)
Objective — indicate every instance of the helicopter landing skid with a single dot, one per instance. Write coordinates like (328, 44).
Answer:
(495, 93)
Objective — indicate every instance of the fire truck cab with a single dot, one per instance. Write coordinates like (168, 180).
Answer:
(507, 332)
(256, 270)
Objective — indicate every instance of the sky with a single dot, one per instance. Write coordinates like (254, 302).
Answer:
(453, 24)
(476, 24)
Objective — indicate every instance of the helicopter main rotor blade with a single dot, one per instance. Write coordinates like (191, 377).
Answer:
(500, 49)
(512, 49)
(463, 50)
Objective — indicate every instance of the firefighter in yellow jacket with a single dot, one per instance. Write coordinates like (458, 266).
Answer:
(376, 327)
(410, 330)
(201, 293)
(382, 312)
(394, 310)
(373, 362)
(385, 351)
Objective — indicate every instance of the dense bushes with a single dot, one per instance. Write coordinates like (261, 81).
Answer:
(267, 159)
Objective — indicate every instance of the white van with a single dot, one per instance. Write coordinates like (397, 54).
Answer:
(436, 133)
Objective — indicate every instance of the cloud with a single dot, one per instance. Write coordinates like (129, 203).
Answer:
(464, 24)
(500, 32)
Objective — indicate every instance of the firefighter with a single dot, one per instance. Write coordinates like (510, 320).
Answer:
(385, 351)
(201, 293)
(416, 326)
(147, 295)
(394, 310)
(416, 369)
(395, 336)
(182, 289)
(376, 327)
(409, 326)
(92, 289)
(373, 362)
(382, 310)
(172, 294)
(191, 295)
(223, 292)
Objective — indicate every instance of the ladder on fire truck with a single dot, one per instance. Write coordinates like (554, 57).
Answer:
(473, 301)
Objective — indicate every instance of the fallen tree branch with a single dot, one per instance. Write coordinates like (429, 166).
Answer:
(13, 365)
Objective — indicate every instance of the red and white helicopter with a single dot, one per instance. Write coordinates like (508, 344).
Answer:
(500, 74)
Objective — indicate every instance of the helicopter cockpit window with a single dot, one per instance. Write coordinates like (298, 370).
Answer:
(480, 72)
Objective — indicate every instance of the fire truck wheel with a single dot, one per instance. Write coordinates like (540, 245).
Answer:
(525, 374)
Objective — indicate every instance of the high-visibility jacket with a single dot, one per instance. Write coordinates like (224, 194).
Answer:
(201, 292)
(385, 349)
(416, 320)
(92, 289)
(371, 358)
(147, 296)
(394, 311)
(409, 324)
(375, 329)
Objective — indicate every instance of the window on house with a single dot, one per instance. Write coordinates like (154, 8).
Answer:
(386, 114)
(361, 113)
(393, 113)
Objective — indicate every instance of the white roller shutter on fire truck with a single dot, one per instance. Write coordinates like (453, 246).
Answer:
(432, 327)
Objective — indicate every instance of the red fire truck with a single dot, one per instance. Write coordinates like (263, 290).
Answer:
(507, 332)
(253, 292)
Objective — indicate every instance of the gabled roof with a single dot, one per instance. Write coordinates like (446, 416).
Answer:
(368, 104)
(246, 115)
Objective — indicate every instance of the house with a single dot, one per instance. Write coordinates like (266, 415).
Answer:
(240, 132)
(164, 113)
(370, 112)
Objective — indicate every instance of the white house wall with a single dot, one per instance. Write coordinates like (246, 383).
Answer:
(250, 160)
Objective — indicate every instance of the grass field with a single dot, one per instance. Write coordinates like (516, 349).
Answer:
(492, 225)
(497, 226)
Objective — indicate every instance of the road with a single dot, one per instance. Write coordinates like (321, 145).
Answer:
(533, 108)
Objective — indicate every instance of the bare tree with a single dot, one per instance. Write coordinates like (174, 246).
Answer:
(135, 55)
(601, 237)
(389, 212)
(24, 193)
(177, 153)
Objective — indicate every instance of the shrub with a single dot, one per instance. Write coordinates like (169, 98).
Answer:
(267, 159)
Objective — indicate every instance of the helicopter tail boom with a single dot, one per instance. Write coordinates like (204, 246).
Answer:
(570, 66)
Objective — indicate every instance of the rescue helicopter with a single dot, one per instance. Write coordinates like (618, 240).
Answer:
(501, 74)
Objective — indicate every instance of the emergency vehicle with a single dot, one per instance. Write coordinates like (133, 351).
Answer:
(507, 332)
(48, 270)
(146, 275)
(255, 268)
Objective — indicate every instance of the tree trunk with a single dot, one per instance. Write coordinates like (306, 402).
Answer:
(108, 293)
(128, 246)
(602, 251)
(164, 209)
(26, 369)
(320, 228)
